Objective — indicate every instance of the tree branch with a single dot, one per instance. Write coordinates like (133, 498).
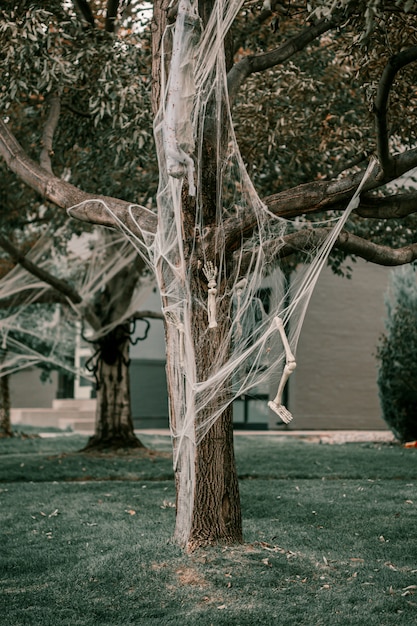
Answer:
(388, 207)
(257, 21)
(260, 62)
(315, 197)
(60, 285)
(148, 314)
(158, 25)
(307, 239)
(95, 209)
(393, 66)
(48, 133)
(50, 296)
(86, 12)
(111, 15)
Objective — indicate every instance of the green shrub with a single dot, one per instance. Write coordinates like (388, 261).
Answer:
(397, 355)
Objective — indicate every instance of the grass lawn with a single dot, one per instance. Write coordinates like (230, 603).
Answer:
(330, 537)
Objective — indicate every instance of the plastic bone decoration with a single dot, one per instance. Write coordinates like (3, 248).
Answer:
(210, 272)
(290, 365)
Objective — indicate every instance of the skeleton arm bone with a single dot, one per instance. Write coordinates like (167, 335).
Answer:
(290, 365)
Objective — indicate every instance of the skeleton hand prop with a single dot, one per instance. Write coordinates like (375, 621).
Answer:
(210, 272)
(290, 366)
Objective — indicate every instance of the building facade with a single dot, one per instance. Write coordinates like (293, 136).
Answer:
(333, 387)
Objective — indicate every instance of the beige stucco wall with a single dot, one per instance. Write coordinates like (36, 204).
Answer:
(27, 390)
(334, 385)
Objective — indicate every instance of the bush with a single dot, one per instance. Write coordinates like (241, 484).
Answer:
(397, 355)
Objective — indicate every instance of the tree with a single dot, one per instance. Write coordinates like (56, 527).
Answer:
(47, 108)
(5, 423)
(214, 242)
(106, 305)
(396, 355)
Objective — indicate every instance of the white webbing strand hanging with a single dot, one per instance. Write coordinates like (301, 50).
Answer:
(176, 126)
(303, 296)
(239, 287)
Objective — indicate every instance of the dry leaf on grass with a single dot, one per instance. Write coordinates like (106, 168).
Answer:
(166, 504)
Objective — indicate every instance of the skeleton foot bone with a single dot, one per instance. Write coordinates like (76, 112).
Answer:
(290, 365)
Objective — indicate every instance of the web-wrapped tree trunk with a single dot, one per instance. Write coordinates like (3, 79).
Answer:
(114, 425)
(208, 505)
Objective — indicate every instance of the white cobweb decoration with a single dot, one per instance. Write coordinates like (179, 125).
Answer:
(210, 270)
(35, 333)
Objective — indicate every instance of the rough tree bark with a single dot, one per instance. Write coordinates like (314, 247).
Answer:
(5, 423)
(114, 425)
(216, 514)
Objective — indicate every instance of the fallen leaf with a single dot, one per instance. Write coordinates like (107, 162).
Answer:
(221, 607)
(409, 502)
(391, 566)
(266, 562)
(130, 511)
(166, 504)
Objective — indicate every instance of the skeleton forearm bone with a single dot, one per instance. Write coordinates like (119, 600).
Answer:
(290, 366)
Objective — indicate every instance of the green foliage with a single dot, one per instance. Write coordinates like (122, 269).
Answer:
(397, 355)
(103, 82)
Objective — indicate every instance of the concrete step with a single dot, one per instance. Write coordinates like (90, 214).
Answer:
(65, 419)
(72, 404)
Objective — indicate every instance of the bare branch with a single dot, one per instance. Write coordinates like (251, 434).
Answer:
(140, 315)
(49, 296)
(393, 66)
(351, 244)
(260, 62)
(60, 285)
(111, 15)
(257, 20)
(315, 197)
(158, 25)
(86, 11)
(95, 209)
(328, 195)
(48, 132)
(388, 207)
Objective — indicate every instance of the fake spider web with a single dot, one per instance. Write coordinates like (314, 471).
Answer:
(197, 268)
(33, 333)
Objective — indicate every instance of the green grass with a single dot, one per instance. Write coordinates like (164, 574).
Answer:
(330, 538)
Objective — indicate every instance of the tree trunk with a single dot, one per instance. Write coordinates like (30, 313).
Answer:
(216, 516)
(114, 425)
(208, 504)
(5, 424)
